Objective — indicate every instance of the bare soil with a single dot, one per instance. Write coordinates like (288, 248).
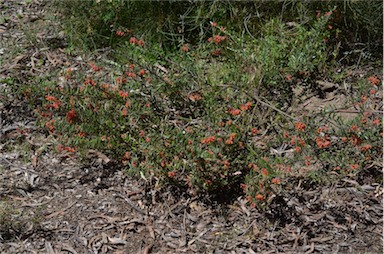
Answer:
(53, 203)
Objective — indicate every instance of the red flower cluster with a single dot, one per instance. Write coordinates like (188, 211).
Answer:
(94, 67)
(124, 111)
(217, 39)
(130, 74)
(300, 126)
(71, 115)
(231, 139)
(254, 131)
(234, 112)
(123, 94)
(185, 48)
(88, 81)
(216, 52)
(135, 41)
(61, 148)
(120, 33)
(50, 125)
(56, 103)
(246, 106)
(141, 72)
(322, 142)
(374, 80)
(208, 140)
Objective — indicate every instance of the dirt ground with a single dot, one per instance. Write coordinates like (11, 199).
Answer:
(52, 203)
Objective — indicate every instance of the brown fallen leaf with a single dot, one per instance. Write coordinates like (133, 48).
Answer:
(312, 248)
(99, 155)
(49, 249)
(34, 161)
(147, 249)
(116, 240)
(149, 225)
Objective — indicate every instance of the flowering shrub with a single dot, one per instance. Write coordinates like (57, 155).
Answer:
(197, 120)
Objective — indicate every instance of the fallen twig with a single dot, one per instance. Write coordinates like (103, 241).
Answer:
(132, 204)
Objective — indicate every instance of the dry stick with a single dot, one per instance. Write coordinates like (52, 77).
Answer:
(197, 237)
(147, 249)
(246, 230)
(132, 204)
(274, 108)
(269, 105)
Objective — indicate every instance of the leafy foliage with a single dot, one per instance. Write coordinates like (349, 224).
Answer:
(191, 99)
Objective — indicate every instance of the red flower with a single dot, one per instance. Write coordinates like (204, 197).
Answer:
(214, 24)
(71, 115)
(121, 80)
(322, 142)
(300, 126)
(216, 52)
(185, 48)
(141, 73)
(229, 141)
(120, 33)
(133, 40)
(246, 106)
(366, 148)
(254, 131)
(69, 149)
(171, 174)
(123, 94)
(130, 74)
(276, 180)
(140, 43)
(50, 98)
(124, 111)
(234, 112)
(105, 86)
(95, 67)
(376, 122)
(259, 197)
(264, 171)
(217, 39)
(354, 128)
(50, 125)
(208, 140)
(374, 80)
(355, 140)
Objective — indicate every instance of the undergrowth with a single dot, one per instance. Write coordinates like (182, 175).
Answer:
(213, 110)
